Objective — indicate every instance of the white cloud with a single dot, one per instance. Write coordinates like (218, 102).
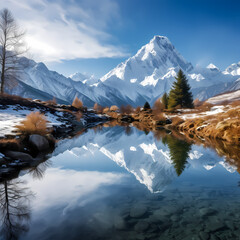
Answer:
(65, 30)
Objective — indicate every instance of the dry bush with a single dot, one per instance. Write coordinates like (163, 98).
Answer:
(138, 109)
(206, 106)
(177, 121)
(77, 103)
(78, 115)
(158, 105)
(35, 123)
(106, 110)
(197, 103)
(52, 102)
(98, 108)
(114, 108)
(128, 109)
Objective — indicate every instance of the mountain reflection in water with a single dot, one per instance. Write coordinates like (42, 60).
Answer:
(121, 183)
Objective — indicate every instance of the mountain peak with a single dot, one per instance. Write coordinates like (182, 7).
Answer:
(212, 67)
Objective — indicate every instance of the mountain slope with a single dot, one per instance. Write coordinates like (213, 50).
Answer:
(143, 77)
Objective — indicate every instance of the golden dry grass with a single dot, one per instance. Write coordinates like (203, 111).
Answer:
(77, 103)
(35, 123)
(225, 126)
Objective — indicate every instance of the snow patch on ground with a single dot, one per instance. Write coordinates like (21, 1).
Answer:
(11, 117)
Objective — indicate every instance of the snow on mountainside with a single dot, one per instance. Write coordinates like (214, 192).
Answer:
(229, 97)
(143, 77)
(152, 71)
(84, 78)
(233, 69)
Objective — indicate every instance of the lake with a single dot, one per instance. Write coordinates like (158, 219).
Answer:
(122, 183)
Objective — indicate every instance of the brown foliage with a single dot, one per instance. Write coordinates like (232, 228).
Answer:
(98, 108)
(197, 103)
(35, 123)
(158, 106)
(128, 109)
(106, 110)
(77, 103)
(138, 109)
(114, 108)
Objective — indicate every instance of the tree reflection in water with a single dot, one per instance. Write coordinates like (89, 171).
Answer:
(179, 149)
(15, 208)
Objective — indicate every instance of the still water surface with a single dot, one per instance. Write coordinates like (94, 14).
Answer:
(121, 183)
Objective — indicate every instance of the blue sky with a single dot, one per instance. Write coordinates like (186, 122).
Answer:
(93, 36)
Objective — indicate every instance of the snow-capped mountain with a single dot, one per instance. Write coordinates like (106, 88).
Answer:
(84, 78)
(143, 77)
(233, 69)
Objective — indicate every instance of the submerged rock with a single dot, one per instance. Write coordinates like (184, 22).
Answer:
(138, 211)
(141, 226)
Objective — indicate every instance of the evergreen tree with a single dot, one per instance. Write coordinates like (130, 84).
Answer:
(165, 100)
(146, 106)
(180, 93)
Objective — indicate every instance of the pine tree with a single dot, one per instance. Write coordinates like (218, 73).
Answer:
(146, 106)
(165, 100)
(180, 93)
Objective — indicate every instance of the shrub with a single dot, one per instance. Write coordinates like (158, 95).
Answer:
(158, 106)
(197, 103)
(114, 108)
(77, 103)
(106, 110)
(126, 109)
(35, 123)
(98, 108)
(138, 109)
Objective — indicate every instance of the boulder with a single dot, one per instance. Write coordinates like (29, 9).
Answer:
(40, 142)
(19, 155)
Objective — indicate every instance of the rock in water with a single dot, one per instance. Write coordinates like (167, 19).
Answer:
(40, 142)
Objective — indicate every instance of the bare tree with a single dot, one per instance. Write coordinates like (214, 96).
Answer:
(11, 47)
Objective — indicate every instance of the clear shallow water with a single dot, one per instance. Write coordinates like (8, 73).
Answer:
(120, 183)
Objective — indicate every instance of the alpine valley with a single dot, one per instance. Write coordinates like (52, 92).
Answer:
(143, 77)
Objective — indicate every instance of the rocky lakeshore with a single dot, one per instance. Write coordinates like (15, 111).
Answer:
(26, 150)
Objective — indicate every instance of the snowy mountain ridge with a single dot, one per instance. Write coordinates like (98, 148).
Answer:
(143, 77)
